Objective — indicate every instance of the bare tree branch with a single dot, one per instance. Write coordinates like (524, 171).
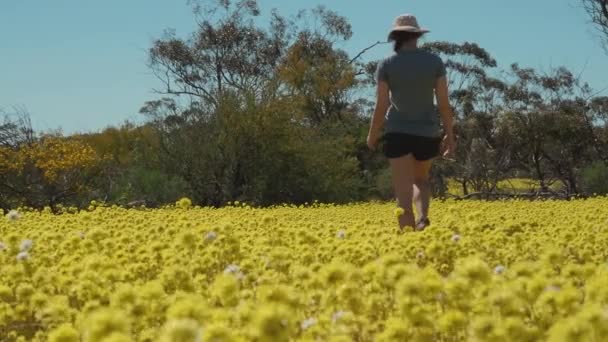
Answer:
(598, 13)
(365, 50)
(202, 92)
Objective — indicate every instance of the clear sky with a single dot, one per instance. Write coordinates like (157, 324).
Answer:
(80, 65)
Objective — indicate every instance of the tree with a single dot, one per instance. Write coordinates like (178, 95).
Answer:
(47, 172)
(598, 109)
(545, 125)
(225, 54)
(133, 172)
(318, 74)
(231, 53)
(474, 93)
(554, 131)
(598, 13)
(15, 128)
(267, 107)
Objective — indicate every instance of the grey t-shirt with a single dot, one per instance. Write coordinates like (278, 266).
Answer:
(411, 75)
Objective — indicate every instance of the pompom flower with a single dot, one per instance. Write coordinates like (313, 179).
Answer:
(399, 212)
(185, 330)
(184, 203)
(13, 216)
(500, 269)
(64, 333)
(234, 270)
(307, 323)
(210, 236)
(26, 245)
(23, 256)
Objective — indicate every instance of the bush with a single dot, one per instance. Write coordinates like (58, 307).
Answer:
(151, 186)
(595, 178)
(259, 153)
(384, 185)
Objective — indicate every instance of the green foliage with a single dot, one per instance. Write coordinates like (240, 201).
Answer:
(257, 153)
(147, 186)
(595, 178)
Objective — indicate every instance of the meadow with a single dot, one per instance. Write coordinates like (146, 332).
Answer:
(484, 271)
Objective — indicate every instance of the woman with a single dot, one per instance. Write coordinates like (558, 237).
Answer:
(408, 81)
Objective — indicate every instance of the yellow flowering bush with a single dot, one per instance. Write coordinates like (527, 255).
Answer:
(48, 171)
(484, 271)
(53, 156)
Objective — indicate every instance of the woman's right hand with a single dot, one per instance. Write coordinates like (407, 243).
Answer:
(372, 140)
(449, 146)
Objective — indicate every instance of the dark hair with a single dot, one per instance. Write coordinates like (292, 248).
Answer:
(402, 37)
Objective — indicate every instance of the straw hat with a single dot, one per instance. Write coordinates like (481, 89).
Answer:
(407, 23)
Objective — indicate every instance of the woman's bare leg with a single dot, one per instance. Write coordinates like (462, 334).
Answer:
(402, 170)
(422, 187)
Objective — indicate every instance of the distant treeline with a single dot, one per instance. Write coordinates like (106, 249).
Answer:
(279, 113)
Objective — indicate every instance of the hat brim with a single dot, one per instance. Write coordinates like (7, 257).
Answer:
(412, 29)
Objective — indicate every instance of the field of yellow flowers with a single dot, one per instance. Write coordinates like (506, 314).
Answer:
(484, 271)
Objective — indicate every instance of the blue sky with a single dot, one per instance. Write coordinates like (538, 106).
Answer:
(80, 65)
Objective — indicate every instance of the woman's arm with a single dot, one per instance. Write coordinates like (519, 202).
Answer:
(447, 115)
(377, 122)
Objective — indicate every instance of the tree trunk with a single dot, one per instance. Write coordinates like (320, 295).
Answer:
(572, 184)
(539, 173)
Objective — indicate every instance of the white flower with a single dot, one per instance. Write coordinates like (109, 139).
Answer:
(234, 270)
(455, 238)
(26, 245)
(2, 247)
(307, 323)
(552, 288)
(23, 256)
(500, 269)
(13, 215)
(210, 236)
(341, 234)
(336, 316)
(81, 235)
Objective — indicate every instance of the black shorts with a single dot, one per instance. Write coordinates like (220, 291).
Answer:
(396, 145)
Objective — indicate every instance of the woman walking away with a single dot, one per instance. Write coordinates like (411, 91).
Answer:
(408, 81)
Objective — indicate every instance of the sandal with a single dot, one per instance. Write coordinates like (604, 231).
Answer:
(422, 224)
